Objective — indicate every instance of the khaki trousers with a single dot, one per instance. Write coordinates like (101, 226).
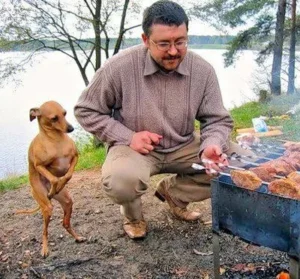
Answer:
(126, 175)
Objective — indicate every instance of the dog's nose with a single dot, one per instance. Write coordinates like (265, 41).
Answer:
(70, 129)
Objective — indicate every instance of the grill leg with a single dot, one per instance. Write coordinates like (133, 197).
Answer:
(216, 250)
(294, 268)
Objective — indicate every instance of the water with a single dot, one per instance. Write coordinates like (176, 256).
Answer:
(56, 77)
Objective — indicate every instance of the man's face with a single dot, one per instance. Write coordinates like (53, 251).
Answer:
(167, 44)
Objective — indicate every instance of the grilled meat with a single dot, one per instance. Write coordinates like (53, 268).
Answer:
(286, 165)
(285, 187)
(264, 173)
(292, 146)
(246, 179)
(281, 165)
(295, 176)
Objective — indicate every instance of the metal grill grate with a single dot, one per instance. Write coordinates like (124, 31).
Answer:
(258, 217)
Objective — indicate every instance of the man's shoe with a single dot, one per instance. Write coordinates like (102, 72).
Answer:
(135, 229)
(181, 213)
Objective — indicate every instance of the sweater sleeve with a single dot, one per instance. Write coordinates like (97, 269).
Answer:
(94, 110)
(215, 121)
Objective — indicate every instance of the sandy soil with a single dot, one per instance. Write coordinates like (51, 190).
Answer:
(172, 248)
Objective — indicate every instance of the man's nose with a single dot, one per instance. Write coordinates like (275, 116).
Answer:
(173, 50)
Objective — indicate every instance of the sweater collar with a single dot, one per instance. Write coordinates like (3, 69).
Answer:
(151, 66)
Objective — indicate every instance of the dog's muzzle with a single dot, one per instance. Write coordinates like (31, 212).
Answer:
(70, 129)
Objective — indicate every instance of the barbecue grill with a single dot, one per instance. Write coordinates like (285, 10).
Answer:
(258, 217)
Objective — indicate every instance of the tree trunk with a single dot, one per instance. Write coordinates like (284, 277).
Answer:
(292, 57)
(97, 35)
(278, 45)
(121, 31)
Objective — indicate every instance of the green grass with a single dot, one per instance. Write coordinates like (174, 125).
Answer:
(13, 182)
(277, 106)
(91, 157)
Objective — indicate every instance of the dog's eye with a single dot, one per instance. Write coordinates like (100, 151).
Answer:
(65, 113)
(54, 119)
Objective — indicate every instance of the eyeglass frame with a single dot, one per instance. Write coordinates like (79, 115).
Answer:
(170, 44)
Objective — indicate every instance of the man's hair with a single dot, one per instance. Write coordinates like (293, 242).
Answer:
(163, 12)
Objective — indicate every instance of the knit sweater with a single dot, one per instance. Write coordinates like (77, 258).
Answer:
(130, 93)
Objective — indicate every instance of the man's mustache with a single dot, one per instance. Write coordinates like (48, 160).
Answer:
(172, 57)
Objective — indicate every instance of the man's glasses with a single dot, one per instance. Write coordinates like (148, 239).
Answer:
(165, 46)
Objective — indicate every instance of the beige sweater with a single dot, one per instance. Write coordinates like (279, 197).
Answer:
(129, 93)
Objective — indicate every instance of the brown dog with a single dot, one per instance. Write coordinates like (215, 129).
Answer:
(52, 158)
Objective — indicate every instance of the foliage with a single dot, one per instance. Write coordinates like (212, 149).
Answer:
(277, 106)
(13, 182)
(233, 14)
(63, 26)
(262, 23)
(247, 38)
(90, 157)
(243, 115)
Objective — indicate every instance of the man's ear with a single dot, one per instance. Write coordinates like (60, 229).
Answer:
(33, 113)
(145, 40)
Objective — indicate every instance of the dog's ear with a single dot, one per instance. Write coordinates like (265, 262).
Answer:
(33, 113)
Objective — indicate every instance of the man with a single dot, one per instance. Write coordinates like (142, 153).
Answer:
(143, 102)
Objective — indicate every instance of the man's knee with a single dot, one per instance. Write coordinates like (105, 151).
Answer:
(123, 187)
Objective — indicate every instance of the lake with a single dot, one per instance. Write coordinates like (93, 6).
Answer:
(55, 77)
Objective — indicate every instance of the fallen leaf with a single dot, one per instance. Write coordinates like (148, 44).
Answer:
(4, 258)
(181, 271)
(222, 270)
(239, 267)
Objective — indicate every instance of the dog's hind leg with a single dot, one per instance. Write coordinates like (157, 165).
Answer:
(64, 198)
(40, 192)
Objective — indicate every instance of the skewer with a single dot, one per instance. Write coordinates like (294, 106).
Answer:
(270, 146)
(212, 171)
(222, 165)
(235, 155)
(259, 150)
(283, 140)
(244, 161)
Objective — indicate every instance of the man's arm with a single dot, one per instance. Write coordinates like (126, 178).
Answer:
(215, 121)
(94, 110)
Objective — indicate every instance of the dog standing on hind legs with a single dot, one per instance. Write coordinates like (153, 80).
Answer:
(52, 157)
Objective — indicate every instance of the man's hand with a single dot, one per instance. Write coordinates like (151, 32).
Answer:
(143, 142)
(213, 158)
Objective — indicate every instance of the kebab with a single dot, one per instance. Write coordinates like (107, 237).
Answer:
(286, 165)
(287, 187)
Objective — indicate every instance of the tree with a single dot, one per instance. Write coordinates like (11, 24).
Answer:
(292, 56)
(257, 18)
(82, 30)
(277, 52)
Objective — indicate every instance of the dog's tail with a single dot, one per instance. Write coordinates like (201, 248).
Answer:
(28, 211)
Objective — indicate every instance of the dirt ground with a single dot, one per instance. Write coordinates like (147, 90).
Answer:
(172, 248)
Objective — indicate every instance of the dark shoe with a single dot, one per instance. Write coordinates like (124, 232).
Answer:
(181, 213)
(135, 229)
